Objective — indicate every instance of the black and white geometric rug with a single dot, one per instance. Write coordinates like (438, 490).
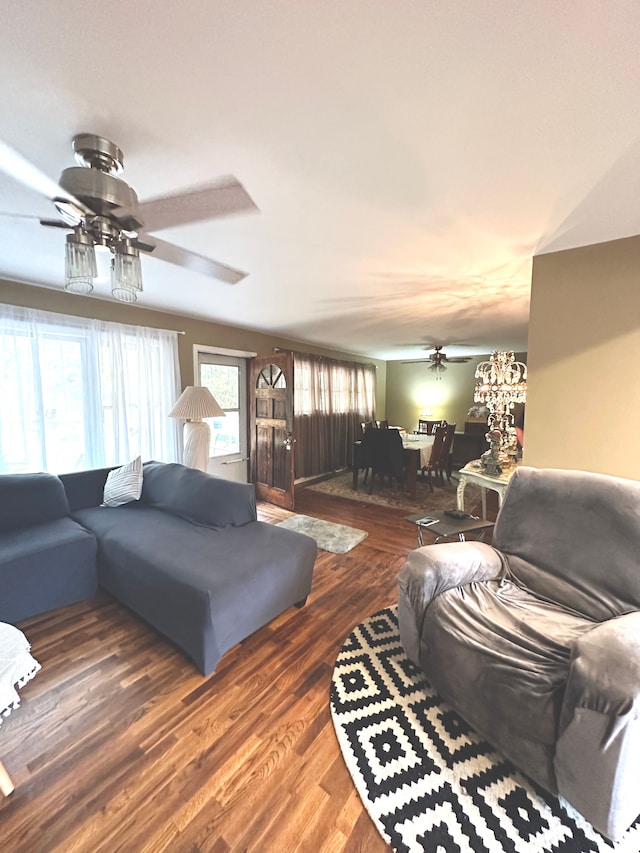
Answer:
(429, 782)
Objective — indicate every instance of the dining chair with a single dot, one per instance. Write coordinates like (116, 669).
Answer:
(447, 452)
(359, 455)
(382, 424)
(383, 453)
(434, 466)
(429, 427)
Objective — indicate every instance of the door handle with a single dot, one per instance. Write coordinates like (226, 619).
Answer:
(289, 441)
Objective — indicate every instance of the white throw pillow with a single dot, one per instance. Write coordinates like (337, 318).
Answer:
(124, 484)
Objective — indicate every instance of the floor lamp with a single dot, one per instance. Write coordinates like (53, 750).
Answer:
(196, 402)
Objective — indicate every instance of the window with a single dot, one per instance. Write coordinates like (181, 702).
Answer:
(325, 386)
(79, 393)
(225, 377)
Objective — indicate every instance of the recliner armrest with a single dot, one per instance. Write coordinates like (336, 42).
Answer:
(433, 569)
(604, 674)
(599, 735)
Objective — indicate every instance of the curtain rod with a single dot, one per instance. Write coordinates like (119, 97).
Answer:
(326, 357)
(177, 331)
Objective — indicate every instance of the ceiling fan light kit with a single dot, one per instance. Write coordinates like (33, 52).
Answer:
(103, 211)
(101, 195)
(438, 367)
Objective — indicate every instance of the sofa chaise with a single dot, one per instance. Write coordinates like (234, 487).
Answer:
(191, 558)
(535, 640)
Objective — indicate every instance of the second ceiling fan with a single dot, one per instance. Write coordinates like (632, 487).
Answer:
(438, 360)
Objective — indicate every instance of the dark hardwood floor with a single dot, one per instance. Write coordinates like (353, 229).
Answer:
(120, 744)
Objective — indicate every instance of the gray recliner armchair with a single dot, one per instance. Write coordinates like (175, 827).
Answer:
(535, 640)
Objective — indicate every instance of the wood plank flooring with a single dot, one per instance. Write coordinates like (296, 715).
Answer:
(121, 745)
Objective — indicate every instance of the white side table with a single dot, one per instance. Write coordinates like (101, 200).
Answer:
(473, 473)
(17, 666)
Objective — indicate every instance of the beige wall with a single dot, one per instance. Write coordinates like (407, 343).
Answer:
(413, 387)
(197, 331)
(583, 395)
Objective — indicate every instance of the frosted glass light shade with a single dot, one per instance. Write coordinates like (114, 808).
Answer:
(196, 402)
(126, 273)
(79, 263)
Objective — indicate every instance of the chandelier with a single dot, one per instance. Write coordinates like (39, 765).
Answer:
(501, 382)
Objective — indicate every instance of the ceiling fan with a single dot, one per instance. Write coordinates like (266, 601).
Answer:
(102, 210)
(438, 360)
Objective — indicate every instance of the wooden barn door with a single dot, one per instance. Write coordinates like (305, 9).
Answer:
(272, 443)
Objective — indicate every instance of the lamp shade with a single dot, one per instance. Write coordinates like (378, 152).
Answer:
(194, 403)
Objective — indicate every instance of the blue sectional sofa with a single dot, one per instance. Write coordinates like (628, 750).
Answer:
(47, 559)
(190, 557)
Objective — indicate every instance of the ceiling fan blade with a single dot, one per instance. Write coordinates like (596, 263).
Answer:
(29, 217)
(223, 197)
(457, 359)
(189, 260)
(446, 342)
(55, 223)
(7, 214)
(20, 169)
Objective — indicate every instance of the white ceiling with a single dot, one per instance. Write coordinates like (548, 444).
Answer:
(408, 158)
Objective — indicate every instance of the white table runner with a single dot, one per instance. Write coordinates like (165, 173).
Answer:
(423, 443)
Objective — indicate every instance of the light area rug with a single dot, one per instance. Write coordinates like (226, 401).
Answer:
(336, 538)
(429, 782)
(442, 497)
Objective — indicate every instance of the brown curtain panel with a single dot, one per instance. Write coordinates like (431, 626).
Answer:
(331, 399)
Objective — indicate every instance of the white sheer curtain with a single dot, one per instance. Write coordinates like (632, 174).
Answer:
(78, 393)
